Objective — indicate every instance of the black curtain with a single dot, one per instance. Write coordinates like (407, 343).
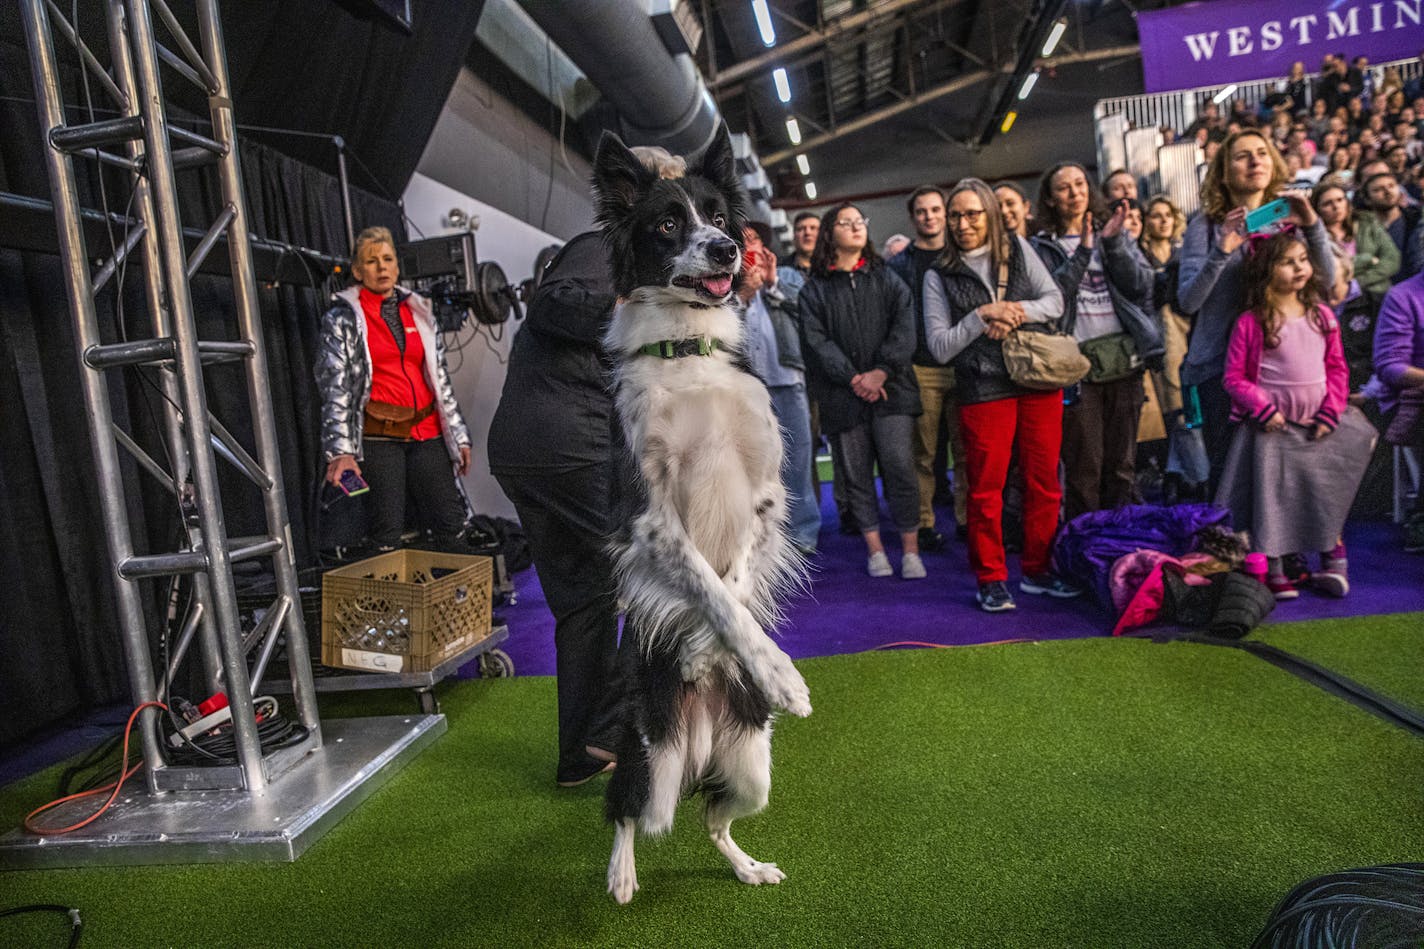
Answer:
(60, 650)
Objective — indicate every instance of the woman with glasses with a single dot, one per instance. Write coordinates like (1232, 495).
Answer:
(987, 284)
(1107, 290)
(859, 328)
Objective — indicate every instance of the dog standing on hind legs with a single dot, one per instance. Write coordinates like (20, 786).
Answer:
(703, 557)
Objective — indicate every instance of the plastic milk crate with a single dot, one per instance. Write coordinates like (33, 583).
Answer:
(405, 611)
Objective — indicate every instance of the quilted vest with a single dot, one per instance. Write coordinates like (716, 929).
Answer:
(979, 371)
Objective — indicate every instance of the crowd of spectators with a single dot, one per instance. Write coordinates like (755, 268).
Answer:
(1200, 332)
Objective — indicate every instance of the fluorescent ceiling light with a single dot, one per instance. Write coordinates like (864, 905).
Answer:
(793, 131)
(763, 18)
(1050, 44)
(811, 190)
(783, 86)
(1224, 94)
(1028, 85)
(1008, 122)
(803, 164)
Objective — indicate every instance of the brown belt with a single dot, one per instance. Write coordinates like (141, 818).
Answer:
(386, 420)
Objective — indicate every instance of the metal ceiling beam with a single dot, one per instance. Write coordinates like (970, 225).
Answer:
(1032, 33)
(938, 92)
(831, 32)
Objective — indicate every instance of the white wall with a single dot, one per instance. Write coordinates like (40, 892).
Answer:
(476, 359)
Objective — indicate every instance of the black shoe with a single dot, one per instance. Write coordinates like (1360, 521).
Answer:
(961, 531)
(994, 597)
(583, 773)
(1414, 534)
(931, 540)
(1295, 569)
(1052, 585)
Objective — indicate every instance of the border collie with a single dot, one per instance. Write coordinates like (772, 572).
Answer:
(702, 556)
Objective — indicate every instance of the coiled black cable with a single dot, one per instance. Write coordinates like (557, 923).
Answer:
(76, 925)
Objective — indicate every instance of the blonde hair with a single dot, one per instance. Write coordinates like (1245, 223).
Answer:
(1179, 220)
(660, 161)
(1216, 198)
(371, 235)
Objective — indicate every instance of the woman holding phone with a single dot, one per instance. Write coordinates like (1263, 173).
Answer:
(1246, 174)
(388, 412)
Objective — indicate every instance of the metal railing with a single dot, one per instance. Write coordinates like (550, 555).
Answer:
(1177, 110)
(1126, 129)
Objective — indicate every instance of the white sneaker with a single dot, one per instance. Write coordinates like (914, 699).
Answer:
(912, 567)
(879, 565)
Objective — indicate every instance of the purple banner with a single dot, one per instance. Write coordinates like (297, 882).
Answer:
(1213, 43)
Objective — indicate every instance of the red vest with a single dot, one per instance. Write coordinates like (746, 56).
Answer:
(396, 378)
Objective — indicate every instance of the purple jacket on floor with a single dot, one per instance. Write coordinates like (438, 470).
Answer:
(1088, 545)
(1399, 336)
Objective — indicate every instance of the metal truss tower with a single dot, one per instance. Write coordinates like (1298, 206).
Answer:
(142, 140)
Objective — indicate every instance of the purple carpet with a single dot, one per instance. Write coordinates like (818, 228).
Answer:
(847, 611)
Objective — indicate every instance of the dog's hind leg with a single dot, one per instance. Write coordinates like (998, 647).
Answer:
(741, 782)
(622, 874)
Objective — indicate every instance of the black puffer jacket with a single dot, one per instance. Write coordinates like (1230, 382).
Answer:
(554, 412)
(853, 322)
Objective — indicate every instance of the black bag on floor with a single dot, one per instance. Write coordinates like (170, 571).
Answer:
(498, 535)
(1230, 607)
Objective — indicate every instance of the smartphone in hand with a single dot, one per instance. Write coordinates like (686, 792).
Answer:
(352, 484)
(1267, 216)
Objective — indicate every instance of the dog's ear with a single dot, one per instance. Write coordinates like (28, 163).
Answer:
(618, 179)
(716, 163)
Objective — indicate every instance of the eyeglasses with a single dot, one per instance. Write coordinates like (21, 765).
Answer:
(970, 217)
(854, 223)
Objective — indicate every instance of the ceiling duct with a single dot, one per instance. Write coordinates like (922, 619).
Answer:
(660, 97)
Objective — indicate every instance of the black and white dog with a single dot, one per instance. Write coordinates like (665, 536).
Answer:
(703, 558)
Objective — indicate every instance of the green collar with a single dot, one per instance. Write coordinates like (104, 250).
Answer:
(678, 348)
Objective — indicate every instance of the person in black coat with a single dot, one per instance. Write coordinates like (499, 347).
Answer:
(550, 448)
(859, 327)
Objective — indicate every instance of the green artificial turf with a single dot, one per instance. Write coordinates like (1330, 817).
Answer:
(1091, 793)
(1385, 653)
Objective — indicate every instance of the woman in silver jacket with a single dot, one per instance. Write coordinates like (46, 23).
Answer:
(389, 413)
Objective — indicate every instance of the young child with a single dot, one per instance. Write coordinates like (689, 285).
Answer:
(1300, 452)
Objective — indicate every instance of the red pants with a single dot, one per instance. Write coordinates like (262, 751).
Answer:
(989, 430)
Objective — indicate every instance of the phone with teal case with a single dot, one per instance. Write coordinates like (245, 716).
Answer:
(1266, 216)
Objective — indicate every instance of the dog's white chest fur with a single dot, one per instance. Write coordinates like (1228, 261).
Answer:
(702, 428)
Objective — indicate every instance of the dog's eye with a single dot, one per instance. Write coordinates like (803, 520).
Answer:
(667, 225)
(719, 220)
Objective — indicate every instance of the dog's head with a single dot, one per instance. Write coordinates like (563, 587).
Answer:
(680, 235)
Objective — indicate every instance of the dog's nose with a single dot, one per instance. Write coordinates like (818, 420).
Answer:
(722, 251)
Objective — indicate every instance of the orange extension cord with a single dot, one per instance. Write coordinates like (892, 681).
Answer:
(125, 773)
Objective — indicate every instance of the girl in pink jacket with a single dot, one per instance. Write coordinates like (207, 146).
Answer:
(1288, 381)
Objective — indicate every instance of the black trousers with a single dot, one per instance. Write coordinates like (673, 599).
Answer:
(397, 470)
(1217, 430)
(1100, 446)
(564, 517)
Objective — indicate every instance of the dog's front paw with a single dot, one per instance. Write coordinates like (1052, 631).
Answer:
(785, 688)
(695, 665)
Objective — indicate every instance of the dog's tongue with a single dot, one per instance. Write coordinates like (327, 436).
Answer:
(717, 286)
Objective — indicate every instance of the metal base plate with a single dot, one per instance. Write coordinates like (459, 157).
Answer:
(358, 756)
